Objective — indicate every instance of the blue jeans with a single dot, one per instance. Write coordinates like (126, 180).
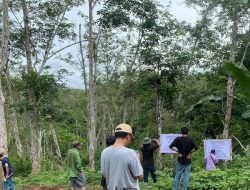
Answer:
(182, 169)
(79, 181)
(9, 183)
(149, 168)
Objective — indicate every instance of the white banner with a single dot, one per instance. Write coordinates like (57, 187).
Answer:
(166, 140)
(222, 147)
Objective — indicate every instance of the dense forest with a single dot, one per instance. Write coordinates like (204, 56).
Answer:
(138, 65)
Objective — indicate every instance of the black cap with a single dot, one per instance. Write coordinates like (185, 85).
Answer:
(213, 151)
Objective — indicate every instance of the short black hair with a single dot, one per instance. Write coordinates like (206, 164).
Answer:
(1, 155)
(110, 140)
(121, 135)
(184, 130)
(213, 151)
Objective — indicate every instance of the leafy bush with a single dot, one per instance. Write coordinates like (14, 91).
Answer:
(203, 180)
(56, 178)
(22, 166)
(45, 178)
(231, 176)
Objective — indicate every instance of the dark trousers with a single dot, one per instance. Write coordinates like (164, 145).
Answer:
(149, 168)
(103, 183)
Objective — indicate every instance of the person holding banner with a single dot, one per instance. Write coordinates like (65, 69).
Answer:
(211, 161)
(184, 146)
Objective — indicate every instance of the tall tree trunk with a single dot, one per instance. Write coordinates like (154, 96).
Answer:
(3, 129)
(91, 92)
(57, 147)
(230, 87)
(3, 62)
(125, 110)
(159, 116)
(35, 149)
(13, 121)
(82, 61)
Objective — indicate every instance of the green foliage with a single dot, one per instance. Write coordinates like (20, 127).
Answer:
(55, 179)
(235, 176)
(46, 178)
(22, 166)
(246, 114)
(130, 76)
(210, 98)
(44, 86)
(241, 75)
(116, 13)
(219, 179)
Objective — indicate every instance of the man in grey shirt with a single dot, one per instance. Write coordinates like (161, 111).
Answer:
(120, 165)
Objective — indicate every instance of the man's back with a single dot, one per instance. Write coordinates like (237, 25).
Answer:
(148, 153)
(74, 165)
(120, 166)
(184, 145)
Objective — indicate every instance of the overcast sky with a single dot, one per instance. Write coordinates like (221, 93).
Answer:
(178, 9)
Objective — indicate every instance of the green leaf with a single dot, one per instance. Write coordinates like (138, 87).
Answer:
(241, 75)
(210, 98)
(246, 114)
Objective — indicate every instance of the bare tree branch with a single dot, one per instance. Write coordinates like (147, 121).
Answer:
(50, 41)
(240, 143)
(244, 55)
(20, 24)
(56, 52)
(82, 58)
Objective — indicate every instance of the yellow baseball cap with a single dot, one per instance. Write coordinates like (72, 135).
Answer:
(123, 127)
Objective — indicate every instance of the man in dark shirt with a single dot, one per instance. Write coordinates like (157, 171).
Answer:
(184, 146)
(7, 171)
(148, 161)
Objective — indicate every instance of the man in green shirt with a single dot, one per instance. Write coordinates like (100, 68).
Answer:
(74, 167)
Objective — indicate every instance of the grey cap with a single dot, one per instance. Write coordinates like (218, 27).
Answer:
(75, 143)
(146, 140)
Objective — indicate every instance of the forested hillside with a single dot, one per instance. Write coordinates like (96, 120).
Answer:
(138, 65)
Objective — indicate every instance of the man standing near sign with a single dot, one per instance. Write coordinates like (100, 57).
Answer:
(184, 146)
(148, 148)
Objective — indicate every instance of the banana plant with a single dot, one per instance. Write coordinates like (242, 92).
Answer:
(242, 76)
